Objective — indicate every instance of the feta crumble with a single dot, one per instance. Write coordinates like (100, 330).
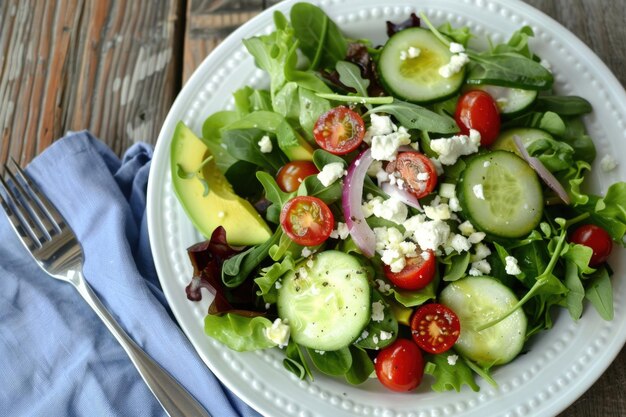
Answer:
(279, 332)
(452, 359)
(341, 232)
(479, 268)
(479, 192)
(411, 52)
(378, 311)
(331, 173)
(511, 267)
(450, 149)
(456, 47)
(265, 144)
(385, 147)
(456, 64)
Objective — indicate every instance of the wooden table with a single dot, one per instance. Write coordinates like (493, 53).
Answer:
(114, 67)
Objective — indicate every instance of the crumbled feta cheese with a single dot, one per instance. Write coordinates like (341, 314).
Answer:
(481, 252)
(382, 286)
(454, 204)
(452, 359)
(430, 234)
(265, 144)
(341, 232)
(385, 147)
(385, 335)
(456, 47)
(479, 192)
(466, 228)
(392, 247)
(479, 268)
(378, 311)
(438, 212)
(460, 243)
(476, 237)
(456, 64)
(306, 252)
(511, 267)
(279, 332)
(450, 149)
(331, 173)
(411, 52)
(423, 176)
(447, 190)
(379, 126)
(391, 209)
(608, 163)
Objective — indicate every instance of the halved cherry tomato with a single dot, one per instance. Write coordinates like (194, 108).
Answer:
(417, 171)
(418, 272)
(291, 175)
(597, 239)
(435, 328)
(307, 220)
(478, 110)
(400, 366)
(339, 130)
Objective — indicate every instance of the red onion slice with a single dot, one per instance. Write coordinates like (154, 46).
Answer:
(542, 171)
(405, 196)
(352, 196)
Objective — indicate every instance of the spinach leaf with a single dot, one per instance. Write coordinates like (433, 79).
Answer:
(212, 137)
(379, 334)
(548, 121)
(319, 37)
(295, 363)
(311, 186)
(362, 366)
(239, 174)
(456, 266)
(563, 105)
(262, 119)
(600, 293)
(311, 106)
(238, 332)
(508, 69)
(243, 145)
(322, 158)
(236, 269)
(449, 375)
(413, 116)
(576, 136)
(332, 362)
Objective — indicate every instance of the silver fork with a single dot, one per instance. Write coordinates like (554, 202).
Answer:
(54, 246)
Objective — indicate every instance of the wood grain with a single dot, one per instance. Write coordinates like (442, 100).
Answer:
(109, 66)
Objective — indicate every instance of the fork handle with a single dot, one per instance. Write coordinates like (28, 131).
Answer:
(173, 397)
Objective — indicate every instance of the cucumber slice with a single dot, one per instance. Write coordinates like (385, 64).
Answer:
(510, 101)
(476, 301)
(501, 194)
(417, 79)
(528, 135)
(327, 301)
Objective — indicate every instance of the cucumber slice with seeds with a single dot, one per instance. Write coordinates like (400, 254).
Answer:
(416, 78)
(327, 301)
(476, 301)
(501, 194)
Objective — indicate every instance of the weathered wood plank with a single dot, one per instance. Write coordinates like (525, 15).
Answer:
(109, 66)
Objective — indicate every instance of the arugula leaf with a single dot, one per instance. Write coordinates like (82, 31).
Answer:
(600, 293)
(274, 194)
(311, 186)
(236, 270)
(517, 43)
(311, 106)
(268, 277)
(576, 136)
(449, 377)
(238, 332)
(576, 293)
(460, 35)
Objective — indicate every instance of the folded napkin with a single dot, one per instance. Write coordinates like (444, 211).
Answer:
(56, 357)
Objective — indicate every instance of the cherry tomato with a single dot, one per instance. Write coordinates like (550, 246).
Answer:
(400, 366)
(417, 171)
(597, 239)
(291, 175)
(435, 328)
(478, 110)
(307, 220)
(417, 273)
(339, 130)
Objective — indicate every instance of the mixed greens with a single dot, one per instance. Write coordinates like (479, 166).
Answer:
(406, 201)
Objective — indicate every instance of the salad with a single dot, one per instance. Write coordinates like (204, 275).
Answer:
(394, 210)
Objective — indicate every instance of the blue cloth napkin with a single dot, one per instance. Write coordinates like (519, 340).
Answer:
(56, 357)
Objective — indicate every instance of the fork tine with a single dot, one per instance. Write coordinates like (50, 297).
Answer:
(10, 204)
(47, 208)
(49, 219)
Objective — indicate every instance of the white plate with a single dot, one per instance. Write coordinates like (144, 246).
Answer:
(562, 363)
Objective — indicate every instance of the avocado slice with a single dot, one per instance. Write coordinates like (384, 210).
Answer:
(193, 172)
